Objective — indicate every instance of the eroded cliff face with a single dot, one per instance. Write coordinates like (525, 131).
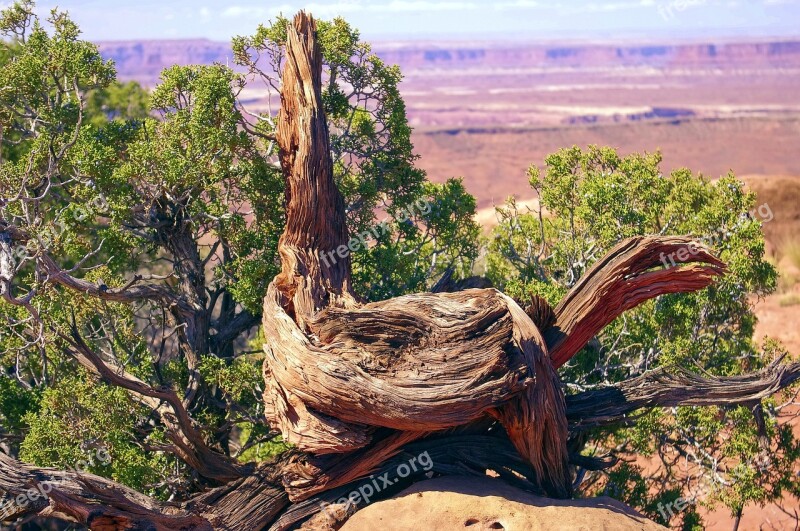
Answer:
(144, 60)
(724, 55)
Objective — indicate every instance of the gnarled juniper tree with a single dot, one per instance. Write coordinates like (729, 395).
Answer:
(136, 250)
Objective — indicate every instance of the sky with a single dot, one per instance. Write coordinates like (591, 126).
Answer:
(387, 20)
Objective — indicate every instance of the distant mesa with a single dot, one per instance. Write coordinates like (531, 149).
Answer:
(143, 60)
(656, 113)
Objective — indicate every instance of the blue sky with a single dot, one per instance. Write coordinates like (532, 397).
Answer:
(443, 19)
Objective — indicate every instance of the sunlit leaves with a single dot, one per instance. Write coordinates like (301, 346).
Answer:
(77, 417)
(590, 200)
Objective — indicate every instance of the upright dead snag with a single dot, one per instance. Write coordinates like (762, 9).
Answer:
(315, 215)
(336, 371)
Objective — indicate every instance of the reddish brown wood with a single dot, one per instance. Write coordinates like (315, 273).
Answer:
(630, 274)
(315, 216)
(336, 370)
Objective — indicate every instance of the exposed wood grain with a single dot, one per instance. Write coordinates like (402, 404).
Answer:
(337, 370)
(665, 388)
(315, 216)
(630, 274)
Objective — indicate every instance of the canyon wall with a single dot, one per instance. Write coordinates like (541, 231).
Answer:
(144, 60)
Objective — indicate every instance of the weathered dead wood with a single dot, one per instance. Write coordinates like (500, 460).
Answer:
(315, 216)
(535, 419)
(251, 502)
(328, 472)
(675, 387)
(416, 363)
(85, 498)
(630, 274)
(336, 370)
(541, 313)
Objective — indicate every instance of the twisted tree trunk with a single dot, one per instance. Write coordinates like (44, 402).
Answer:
(339, 374)
(336, 371)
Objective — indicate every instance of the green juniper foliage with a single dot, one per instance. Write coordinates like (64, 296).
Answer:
(177, 193)
(591, 199)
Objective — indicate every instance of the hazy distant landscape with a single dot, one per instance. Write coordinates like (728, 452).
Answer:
(485, 111)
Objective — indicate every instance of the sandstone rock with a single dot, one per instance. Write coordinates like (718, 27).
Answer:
(482, 504)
